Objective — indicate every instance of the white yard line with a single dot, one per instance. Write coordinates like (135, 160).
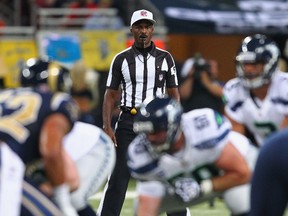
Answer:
(129, 195)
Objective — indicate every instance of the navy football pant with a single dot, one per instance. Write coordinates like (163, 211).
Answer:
(269, 192)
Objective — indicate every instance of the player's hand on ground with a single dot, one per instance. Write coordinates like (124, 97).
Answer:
(187, 189)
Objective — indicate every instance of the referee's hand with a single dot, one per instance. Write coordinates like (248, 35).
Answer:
(110, 132)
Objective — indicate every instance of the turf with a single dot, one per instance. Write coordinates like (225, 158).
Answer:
(217, 209)
(204, 209)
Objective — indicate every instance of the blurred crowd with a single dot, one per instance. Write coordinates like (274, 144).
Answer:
(24, 8)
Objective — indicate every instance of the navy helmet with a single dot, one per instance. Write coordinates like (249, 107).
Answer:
(257, 49)
(157, 114)
(37, 71)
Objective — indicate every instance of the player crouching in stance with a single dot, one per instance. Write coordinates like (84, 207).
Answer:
(33, 122)
(93, 153)
(183, 159)
(88, 147)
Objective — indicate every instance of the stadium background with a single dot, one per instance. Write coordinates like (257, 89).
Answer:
(216, 33)
(182, 37)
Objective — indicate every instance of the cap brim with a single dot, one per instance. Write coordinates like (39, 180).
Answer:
(150, 20)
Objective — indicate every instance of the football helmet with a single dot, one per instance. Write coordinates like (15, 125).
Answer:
(37, 71)
(257, 49)
(159, 114)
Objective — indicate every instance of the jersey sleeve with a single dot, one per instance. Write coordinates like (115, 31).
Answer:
(206, 131)
(206, 127)
(233, 100)
(115, 73)
(63, 103)
(280, 99)
(171, 80)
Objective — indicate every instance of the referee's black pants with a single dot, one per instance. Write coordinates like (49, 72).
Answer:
(119, 179)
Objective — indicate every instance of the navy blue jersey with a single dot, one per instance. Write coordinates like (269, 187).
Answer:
(23, 112)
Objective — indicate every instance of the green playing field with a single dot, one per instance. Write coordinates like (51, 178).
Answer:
(206, 209)
(217, 208)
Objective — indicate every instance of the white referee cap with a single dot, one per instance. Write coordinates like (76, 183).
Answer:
(142, 15)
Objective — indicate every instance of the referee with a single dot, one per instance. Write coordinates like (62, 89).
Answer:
(141, 71)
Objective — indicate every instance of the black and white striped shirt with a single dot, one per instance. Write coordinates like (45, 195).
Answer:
(141, 77)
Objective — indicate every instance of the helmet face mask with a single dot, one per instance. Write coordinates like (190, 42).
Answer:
(41, 71)
(257, 49)
(158, 141)
(160, 119)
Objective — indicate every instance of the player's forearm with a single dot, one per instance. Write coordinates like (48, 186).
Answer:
(72, 177)
(229, 180)
(235, 173)
(51, 149)
(64, 165)
(54, 168)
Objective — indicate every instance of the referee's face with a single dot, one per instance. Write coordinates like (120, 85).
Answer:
(142, 32)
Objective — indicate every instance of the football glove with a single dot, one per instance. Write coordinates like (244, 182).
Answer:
(187, 189)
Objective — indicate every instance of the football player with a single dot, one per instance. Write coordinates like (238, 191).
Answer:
(183, 159)
(93, 153)
(257, 99)
(33, 124)
(271, 169)
(90, 149)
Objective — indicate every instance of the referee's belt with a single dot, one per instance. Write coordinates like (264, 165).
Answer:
(131, 110)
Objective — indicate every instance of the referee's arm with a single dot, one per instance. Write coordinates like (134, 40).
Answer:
(174, 93)
(110, 97)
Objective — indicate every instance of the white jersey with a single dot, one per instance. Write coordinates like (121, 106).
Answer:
(260, 117)
(81, 139)
(94, 155)
(11, 180)
(206, 133)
